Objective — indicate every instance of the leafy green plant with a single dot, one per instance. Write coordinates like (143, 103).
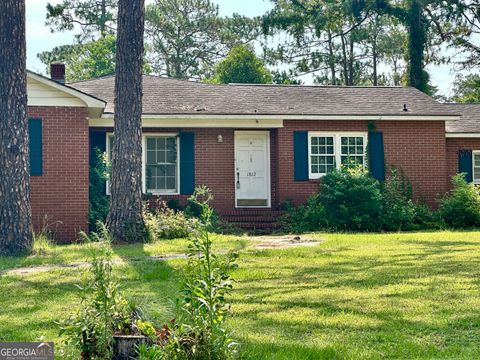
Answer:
(150, 352)
(147, 329)
(166, 223)
(460, 208)
(201, 334)
(102, 308)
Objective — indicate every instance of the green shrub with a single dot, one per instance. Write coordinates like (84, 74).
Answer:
(398, 208)
(399, 211)
(166, 223)
(460, 208)
(308, 217)
(351, 200)
(199, 332)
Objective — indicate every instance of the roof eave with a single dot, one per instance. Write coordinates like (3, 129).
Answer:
(371, 117)
(89, 100)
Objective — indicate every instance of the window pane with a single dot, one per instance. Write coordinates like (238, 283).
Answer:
(171, 156)
(322, 159)
(161, 169)
(476, 168)
(151, 157)
(353, 152)
(170, 183)
(476, 158)
(161, 143)
(161, 156)
(476, 175)
(151, 144)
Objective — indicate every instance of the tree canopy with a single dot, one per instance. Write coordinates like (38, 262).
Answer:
(187, 37)
(466, 89)
(241, 66)
(351, 42)
(349, 37)
(93, 17)
(84, 61)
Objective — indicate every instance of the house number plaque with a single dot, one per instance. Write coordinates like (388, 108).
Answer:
(251, 174)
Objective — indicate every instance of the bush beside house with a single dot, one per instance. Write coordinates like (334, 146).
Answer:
(351, 200)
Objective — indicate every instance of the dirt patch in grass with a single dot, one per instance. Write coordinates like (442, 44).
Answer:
(283, 241)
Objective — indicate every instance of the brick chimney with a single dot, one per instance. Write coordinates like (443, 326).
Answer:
(57, 71)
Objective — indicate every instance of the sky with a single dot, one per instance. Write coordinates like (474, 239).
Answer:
(39, 37)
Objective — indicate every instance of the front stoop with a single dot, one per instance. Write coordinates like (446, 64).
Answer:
(253, 219)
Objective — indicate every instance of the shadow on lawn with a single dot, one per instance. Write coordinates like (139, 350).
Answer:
(404, 305)
(286, 351)
(150, 283)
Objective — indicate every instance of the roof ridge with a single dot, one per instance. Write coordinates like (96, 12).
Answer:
(320, 86)
(93, 79)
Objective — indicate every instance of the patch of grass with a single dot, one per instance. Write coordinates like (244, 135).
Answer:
(74, 253)
(367, 296)
(364, 296)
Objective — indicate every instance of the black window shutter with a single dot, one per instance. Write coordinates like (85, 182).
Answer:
(187, 163)
(465, 164)
(376, 155)
(300, 155)
(36, 148)
(98, 142)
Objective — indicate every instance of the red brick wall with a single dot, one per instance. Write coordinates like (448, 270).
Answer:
(416, 147)
(453, 147)
(61, 193)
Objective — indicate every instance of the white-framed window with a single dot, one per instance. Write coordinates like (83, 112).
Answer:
(476, 166)
(328, 151)
(160, 163)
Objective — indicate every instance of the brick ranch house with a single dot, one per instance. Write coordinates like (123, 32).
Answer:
(255, 146)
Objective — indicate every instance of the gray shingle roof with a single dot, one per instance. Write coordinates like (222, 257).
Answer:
(469, 121)
(170, 96)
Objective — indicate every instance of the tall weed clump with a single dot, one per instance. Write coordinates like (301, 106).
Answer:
(90, 330)
(200, 331)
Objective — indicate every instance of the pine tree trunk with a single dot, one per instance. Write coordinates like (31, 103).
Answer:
(331, 59)
(375, 62)
(417, 38)
(351, 60)
(344, 60)
(125, 219)
(16, 234)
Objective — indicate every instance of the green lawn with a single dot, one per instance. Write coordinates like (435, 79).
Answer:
(414, 295)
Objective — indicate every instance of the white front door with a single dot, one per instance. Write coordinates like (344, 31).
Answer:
(252, 169)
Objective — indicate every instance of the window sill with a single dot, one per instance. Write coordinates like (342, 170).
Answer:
(157, 193)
